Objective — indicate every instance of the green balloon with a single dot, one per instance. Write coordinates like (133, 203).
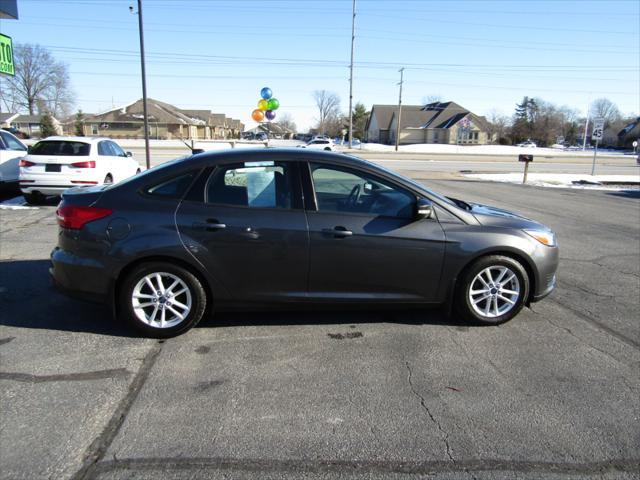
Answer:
(273, 104)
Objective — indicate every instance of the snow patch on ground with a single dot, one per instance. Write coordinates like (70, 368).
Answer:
(564, 180)
(484, 150)
(16, 203)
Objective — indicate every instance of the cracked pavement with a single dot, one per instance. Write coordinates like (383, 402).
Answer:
(333, 394)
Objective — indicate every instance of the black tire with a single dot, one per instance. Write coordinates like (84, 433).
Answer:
(197, 295)
(463, 304)
(327, 149)
(138, 171)
(33, 198)
(108, 180)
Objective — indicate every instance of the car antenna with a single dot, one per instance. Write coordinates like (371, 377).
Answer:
(191, 147)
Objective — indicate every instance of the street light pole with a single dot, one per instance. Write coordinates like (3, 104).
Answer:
(399, 108)
(144, 87)
(353, 37)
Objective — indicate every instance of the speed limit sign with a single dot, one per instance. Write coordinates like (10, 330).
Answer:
(598, 129)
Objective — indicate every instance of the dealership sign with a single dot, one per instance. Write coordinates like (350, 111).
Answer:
(6, 55)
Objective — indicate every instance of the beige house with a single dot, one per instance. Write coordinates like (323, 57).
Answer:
(29, 124)
(438, 122)
(165, 122)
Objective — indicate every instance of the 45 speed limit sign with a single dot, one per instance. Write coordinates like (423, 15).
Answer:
(598, 129)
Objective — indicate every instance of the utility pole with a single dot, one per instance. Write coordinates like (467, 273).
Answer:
(586, 126)
(353, 38)
(399, 108)
(144, 86)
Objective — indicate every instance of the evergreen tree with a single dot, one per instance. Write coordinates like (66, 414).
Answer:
(360, 116)
(47, 128)
(79, 124)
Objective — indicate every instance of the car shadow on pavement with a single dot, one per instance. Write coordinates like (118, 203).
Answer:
(28, 300)
(627, 193)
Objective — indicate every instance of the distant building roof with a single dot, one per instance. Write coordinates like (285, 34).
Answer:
(6, 117)
(158, 112)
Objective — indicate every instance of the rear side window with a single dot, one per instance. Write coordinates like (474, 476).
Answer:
(65, 148)
(252, 184)
(173, 188)
(11, 143)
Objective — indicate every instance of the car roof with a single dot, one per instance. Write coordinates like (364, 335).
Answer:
(60, 138)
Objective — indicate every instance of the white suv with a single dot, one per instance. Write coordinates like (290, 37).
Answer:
(11, 151)
(320, 144)
(57, 163)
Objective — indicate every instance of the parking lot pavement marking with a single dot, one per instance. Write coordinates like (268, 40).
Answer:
(95, 452)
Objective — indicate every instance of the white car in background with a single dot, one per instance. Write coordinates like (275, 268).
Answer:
(528, 143)
(320, 144)
(11, 151)
(57, 163)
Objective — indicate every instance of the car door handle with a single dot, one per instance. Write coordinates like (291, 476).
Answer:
(338, 232)
(210, 225)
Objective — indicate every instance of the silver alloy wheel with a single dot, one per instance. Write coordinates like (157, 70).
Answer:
(161, 300)
(494, 291)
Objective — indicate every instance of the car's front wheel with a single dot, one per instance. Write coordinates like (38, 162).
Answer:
(492, 290)
(162, 300)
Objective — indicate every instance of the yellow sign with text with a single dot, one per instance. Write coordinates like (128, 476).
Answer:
(6, 55)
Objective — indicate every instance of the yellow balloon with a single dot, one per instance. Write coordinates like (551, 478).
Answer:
(263, 105)
(257, 115)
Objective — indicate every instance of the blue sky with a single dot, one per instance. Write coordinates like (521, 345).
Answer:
(217, 54)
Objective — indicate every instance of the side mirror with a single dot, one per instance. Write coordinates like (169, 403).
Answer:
(129, 154)
(424, 208)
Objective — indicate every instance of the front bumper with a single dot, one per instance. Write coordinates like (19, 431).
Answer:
(546, 292)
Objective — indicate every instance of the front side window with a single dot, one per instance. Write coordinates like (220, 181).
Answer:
(65, 148)
(346, 190)
(252, 184)
(117, 151)
(103, 149)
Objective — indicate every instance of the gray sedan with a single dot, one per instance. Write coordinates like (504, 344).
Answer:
(297, 227)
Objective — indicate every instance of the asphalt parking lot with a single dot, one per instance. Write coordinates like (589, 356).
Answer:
(555, 393)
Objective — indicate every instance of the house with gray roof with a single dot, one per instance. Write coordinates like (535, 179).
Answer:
(165, 122)
(29, 124)
(437, 122)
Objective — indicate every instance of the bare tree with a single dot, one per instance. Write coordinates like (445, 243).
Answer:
(41, 83)
(605, 108)
(328, 104)
(286, 121)
(498, 124)
(427, 99)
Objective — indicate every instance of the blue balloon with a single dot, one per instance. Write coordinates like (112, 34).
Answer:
(266, 93)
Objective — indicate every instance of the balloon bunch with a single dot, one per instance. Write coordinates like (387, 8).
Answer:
(267, 106)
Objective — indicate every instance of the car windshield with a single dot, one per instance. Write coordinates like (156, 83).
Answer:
(61, 147)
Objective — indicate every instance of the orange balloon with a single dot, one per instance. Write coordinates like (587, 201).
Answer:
(263, 105)
(257, 115)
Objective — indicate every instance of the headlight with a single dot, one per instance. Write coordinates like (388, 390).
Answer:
(545, 237)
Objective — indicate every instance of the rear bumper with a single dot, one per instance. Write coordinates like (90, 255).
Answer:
(79, 277)
(44, 189)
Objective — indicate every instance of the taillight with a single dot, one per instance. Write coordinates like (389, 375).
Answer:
(26, 163)
(75, 217)
(87, 164)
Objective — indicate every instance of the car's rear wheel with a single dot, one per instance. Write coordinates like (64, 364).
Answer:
(108, 179)
(33, 198)
(327, 149)
(492, 290)
(162, 300)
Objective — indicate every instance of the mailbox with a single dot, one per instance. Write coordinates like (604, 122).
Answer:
(525, 158)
